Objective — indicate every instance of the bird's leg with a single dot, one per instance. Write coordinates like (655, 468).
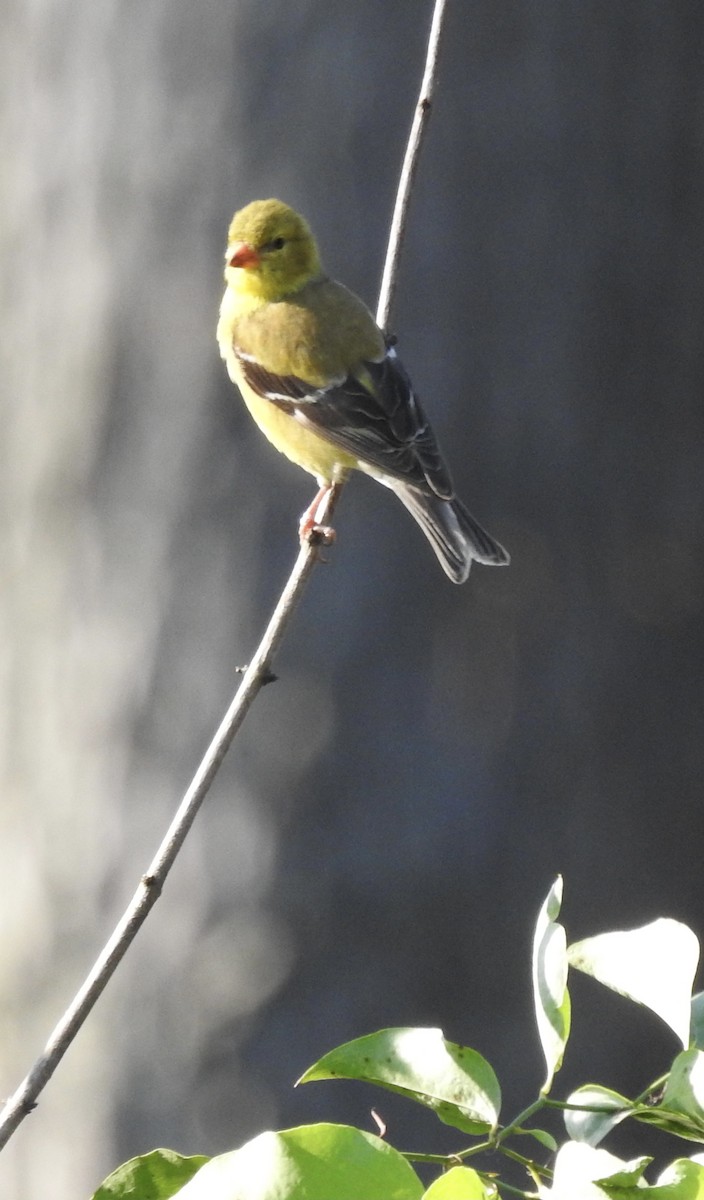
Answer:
(309, 527)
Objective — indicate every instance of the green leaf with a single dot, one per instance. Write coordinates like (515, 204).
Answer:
(654, 966)
(583, 1173)
(696, 1033)
(455, 1082)
(680, 1111)
(628, 1176)
(313, 1162)
(684, 1090)
(541, 1135)
(671, 1122)
(461, 1183)
(154, 1176)
(682, 1180)
(550, 995)
(592, 1127)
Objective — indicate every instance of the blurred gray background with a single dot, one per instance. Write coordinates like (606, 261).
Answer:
(380, 838)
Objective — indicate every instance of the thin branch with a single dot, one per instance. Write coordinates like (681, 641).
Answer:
(257, 674)
(409, 168)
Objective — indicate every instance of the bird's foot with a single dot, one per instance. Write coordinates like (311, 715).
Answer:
(309, 528)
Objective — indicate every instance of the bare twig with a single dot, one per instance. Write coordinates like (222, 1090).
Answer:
(256, 675)
(410, 165)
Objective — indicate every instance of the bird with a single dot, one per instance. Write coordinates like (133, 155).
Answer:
(327, 387)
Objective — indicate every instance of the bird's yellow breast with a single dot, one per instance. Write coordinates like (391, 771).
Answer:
(301, 445)
(303, 336)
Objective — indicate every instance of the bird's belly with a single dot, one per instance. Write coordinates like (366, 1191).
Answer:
(300, 444)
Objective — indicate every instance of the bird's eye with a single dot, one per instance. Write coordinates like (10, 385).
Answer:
(275, 244)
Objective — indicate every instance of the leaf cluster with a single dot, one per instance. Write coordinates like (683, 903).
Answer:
(654, 966)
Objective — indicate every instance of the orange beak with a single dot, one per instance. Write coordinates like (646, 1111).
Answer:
(241, 254)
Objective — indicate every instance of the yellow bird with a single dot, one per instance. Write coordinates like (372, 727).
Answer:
(327, 388)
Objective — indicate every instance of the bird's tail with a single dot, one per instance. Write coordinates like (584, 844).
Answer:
(452, 531)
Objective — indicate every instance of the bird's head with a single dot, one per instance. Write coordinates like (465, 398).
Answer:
(271, 251)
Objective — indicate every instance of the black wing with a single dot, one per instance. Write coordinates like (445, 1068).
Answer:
(381, 423)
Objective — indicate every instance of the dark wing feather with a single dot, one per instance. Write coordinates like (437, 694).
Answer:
(383, 424)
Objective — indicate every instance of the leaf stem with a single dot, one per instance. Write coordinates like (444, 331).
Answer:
(565, 1106)
(523, 1116)
(655, 1086)
(536, 1171)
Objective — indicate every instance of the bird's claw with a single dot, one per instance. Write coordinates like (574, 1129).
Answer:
(316, 535)
(310, 529)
